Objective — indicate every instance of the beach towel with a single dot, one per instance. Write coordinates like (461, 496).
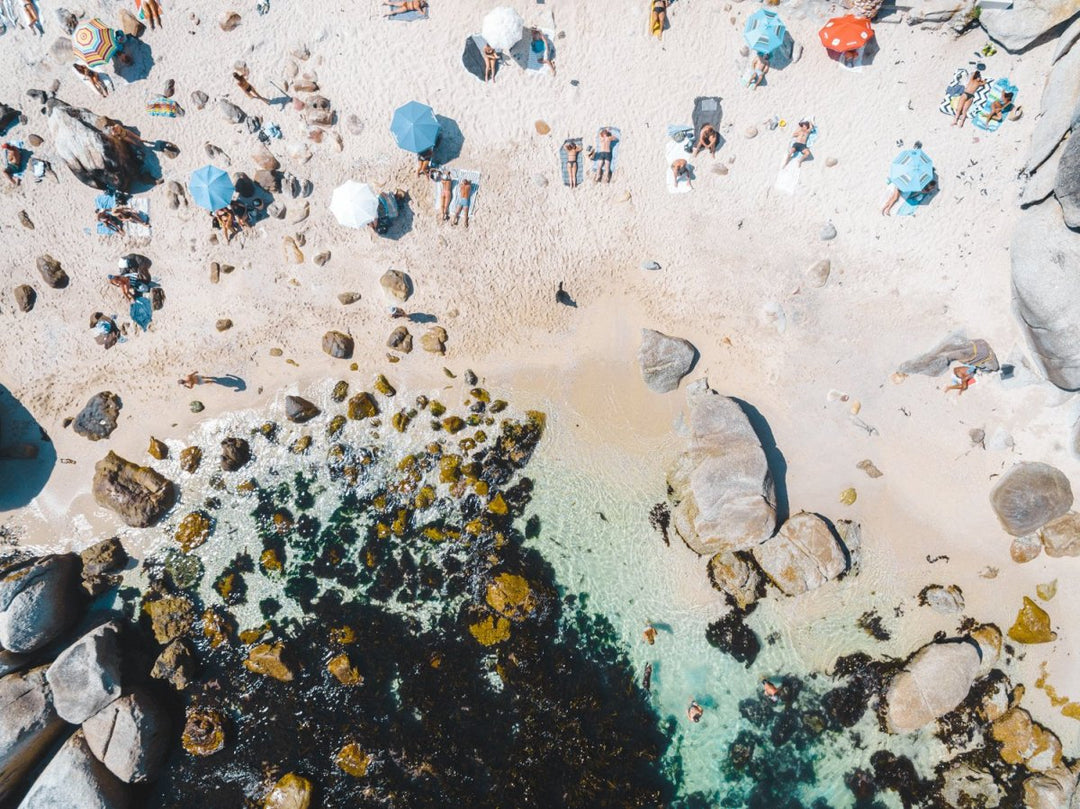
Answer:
(614, 148)
(410, 16)
(473, 56)
(566, 163)
(706, 111)
(956, 88)
(787, 179)
(162, 107)
(455, 201)
(672, 152)
(142, 312)
(140, 204)
(980, 114)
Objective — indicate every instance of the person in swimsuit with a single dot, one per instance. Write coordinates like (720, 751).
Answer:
(152, 10)
(964, 104)
(465, 189)
(12, 160)
(541, 46)
(124, 283)
(109, 221)
(423, 165)
(997, 108)
(915, 198)
(93, 79)
(407, 6)
(694, 712)
(681, 169)
(192, 379)
(798, 142)
(247, 89)
(573, 150)
(603, 157)
(708, 139)
(446, 193)
(491, 61)
(658, 17)
(760, 66)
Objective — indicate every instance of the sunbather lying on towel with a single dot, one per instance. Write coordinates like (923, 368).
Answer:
(465, 190)
(798, 142)
(93, 79)
(603, 156)
(964, 103)
(759, 67)
(894, 197)
(573, 150)
(658, 17)
(446, 193)
(407, 6)
(708, 139)
(109, 221)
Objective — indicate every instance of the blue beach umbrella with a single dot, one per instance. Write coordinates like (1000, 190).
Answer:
(211, 188)
(764, 32)
(911, 171)
(414, 127)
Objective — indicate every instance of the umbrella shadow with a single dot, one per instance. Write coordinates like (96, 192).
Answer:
(782, 56)
(773, 457)
(142, 60)
(522, 51)
(27, 455)
(451, 139)
(402, 223)
(472, 57)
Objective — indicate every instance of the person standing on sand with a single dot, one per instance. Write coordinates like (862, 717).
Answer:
(247, 89)
(191, 380)
(151, 10)
(465, 190)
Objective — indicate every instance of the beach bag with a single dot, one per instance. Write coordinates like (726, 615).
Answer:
(157, 298)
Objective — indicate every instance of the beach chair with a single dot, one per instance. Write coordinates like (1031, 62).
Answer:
(995, 91)
(614, 148)
(565, 163)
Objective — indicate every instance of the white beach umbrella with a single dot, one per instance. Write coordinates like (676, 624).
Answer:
(354, 204)
(502, 28)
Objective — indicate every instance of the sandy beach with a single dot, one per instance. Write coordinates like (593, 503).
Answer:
(817, 361)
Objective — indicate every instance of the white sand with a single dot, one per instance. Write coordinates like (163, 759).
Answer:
(898, 285)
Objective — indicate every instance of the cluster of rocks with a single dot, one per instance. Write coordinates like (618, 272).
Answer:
(1016, 26)
(1032, 501)
(58, 680)
(724, 505)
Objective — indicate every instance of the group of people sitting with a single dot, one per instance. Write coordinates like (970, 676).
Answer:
(232, 219)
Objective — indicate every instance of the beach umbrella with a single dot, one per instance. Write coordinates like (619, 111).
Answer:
(211, 188)
(502, 28)
(354, 204)
(414, 127)
(764, 32)
(846, 33)
(95, 43)
(911, 171)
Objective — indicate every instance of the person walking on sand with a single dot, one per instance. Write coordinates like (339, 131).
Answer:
(967, 96)
(152, 11)
(708, 139)
(573, 151)
(406, 6)
(603, 157)
(247, 89)
(192, 379)
(465, 190)
(798, 143)
(491, 60)
(681, 169)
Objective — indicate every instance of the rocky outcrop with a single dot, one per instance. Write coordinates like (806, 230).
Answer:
(74, 778)
(1026, 742)
(735, 575)
(39, 599)
(664, 360)
(95, 158)
(29, 726)
(85, 677)
(1029, 496)
(101, 565)
(721, 485)
(1025, 21)
(1046, 291)
(804, 554)
(1054, 789)
(936, 679)
(98, 419)
(130, 737)
(140, 495)
(175, 665)
(1067, 182)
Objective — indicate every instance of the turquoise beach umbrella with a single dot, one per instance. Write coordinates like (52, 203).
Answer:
(414, 127)
(764, 31)
(911, 171)
(211, 188)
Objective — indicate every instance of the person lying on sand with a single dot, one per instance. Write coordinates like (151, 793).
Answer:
(107, 219)
(681, 169)
(544, 49)
(963, 378)
(573, 151)
(708, 139)
(998, 107)
(658, 17)
(247, 89)
(93, 79)
(465, 190)
(446, 192)
(125, 214)
(152, 12)
(798, 142)
(964, 103)
(894, 197)
(226, 220)
(760, 66)
(406, 6)
(491, 59)
(603, 157)
(32, 21)
(12, 161)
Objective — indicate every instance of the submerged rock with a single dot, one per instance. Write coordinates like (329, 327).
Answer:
(721, 484)
(935, 680)
(235, 454)
(140, 495)
(204, 731)
(266, 659)
(86, 676)
(193, 530)
(1029, 496)
(170, 617)
(30, 725)
(664, 360)
(730, 635)
(803, 555)
(175, 665)
(733, 574)
(292, 791)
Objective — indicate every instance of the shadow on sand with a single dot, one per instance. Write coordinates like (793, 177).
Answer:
(27, 456)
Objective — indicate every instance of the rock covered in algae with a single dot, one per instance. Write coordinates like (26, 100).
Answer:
(343, 670)
(341, 391)
(383, 386)
(292, 791)
(490, 630)
(1026, 742)
(158, 450)
(139, 494)
(193, 530)
(266, 659)
(362, 406)
(352, 760)
(511, 596)
(204, 731)
(1032, 624)
(170, 617)
(190, 458)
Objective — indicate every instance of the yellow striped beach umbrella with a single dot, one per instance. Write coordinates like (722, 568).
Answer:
(95, 43)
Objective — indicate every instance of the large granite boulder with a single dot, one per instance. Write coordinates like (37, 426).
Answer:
(39, 599)
(85, 677)
(95, 157)
(1029, 496)
(1051, 790)
(933, 13)
(735, 575)
(140, 495)
(130, 737)
(720, 484)
(664, 360)
(804, 554)
(98, 419)
(74, 778)
(936, 679)
(1067, 181)
(954, 348)
(29, 726)
(1058, 111)
(1025, 21)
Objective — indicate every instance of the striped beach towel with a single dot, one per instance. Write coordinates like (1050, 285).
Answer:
(980, 116)
(954, 90)
(162, 107)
